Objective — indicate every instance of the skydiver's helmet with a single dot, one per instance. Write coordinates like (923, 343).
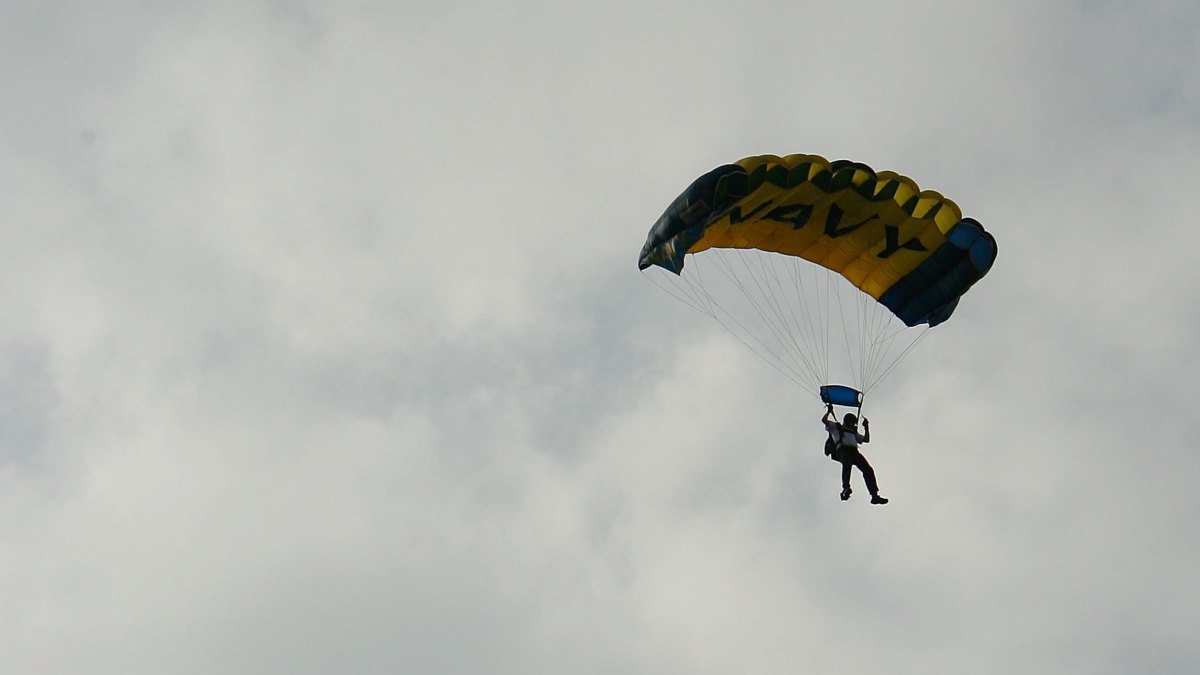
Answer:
(849, 420)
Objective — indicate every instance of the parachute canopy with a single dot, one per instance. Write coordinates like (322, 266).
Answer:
(910, 250)
(786, 233)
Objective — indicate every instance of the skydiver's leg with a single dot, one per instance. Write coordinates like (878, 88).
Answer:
(868, 474)
(846, 464)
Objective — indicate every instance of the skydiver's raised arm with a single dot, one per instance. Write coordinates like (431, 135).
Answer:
(828, 415)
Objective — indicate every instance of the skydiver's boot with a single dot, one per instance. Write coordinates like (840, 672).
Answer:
(846, 493)
(876, 499)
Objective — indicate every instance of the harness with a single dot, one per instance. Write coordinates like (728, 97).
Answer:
(836, 442)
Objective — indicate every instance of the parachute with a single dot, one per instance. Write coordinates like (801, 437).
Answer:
(798, 256)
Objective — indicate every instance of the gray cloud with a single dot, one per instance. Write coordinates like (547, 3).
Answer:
(323, 347)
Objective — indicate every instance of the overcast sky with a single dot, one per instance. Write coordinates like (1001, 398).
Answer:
(323, 348)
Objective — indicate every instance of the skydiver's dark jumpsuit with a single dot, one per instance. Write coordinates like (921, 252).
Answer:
(849, 456)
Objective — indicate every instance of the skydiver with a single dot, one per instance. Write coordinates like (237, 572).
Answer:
(847, 438)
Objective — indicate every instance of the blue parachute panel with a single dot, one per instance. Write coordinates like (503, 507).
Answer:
(838, 394)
